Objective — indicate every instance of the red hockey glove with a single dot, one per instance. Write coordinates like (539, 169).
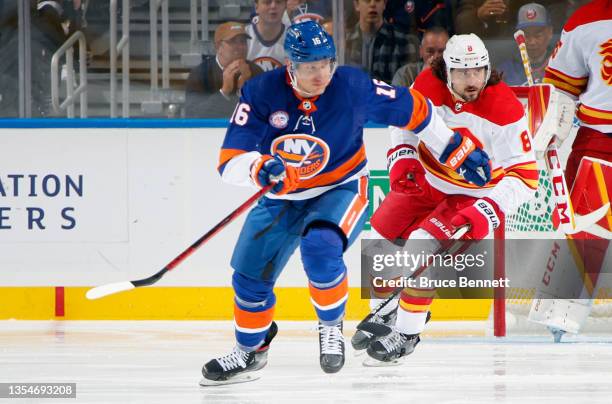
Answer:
(268, 169)
(483, 217)
(406, 174)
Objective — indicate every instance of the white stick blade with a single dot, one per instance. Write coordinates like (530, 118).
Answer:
(105, 290)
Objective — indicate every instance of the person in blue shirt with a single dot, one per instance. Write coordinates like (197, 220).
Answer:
(301, 128)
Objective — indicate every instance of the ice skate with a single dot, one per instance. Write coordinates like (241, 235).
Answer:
(331, 347)
(389, 350)
(239, 366)
(362, 339)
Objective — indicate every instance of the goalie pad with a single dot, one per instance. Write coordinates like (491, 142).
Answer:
(573, 274)
(550, 114)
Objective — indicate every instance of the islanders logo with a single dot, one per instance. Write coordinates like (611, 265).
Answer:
(308, 153)
(606, 63)
(267, 63)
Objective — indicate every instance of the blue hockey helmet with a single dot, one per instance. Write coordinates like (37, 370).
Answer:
(308, 42)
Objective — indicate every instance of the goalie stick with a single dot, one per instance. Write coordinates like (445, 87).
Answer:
(380, 330)
(569, 222)
(112, 288)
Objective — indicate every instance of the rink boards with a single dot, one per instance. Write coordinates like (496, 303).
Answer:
(81, 207)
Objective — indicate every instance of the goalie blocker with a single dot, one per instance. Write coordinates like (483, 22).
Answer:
(564, 296)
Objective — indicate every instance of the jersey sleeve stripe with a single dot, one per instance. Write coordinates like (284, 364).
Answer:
(421, 112)
(595, 113)
(574, 81)
(576, 91)
(226, 155)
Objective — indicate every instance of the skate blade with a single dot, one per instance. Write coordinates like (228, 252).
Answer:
(247, 377)
(375, 363)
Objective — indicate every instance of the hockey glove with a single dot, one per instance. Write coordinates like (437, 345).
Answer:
(268, 169)
(462, 155)
(483, 217)
(406, 174)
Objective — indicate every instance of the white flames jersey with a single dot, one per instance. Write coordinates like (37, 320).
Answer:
(266, 54)
(581, 64)
(497, 121)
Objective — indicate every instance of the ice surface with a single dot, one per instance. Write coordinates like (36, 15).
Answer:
(160, 362)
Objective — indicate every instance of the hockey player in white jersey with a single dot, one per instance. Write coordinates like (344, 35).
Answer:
(428, 200)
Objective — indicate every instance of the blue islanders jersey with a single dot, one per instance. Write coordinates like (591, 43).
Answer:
(322, 136)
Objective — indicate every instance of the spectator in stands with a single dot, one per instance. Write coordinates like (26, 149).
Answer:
(304, 10)
(375, 45)
(415, 17)
(432, 46)
(267, 34)
(497, 18)
(534, 20)
(213, 86)
(47, 35)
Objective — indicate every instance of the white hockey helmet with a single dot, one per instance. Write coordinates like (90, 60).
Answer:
(465, 52)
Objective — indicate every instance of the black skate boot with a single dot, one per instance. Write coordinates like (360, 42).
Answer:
(362, 339)
(388, 350)
(239, 366)
(331, 347)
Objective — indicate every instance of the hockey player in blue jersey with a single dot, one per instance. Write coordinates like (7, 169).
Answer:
(304, 123)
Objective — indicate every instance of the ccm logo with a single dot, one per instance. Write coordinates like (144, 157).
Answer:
(550, 265)
(486, 209)
(465, 148)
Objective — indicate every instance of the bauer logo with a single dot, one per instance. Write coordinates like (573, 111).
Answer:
(308, 153)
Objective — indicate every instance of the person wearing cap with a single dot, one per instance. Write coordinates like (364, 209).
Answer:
(497, 19)
(213, 86)
(534, 20)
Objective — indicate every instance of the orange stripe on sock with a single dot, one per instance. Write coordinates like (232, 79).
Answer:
(421, 301)
(413, 308)
(325, 297)
(249, 319)
(411, 292)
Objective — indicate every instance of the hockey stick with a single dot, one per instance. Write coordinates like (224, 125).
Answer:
(112, 288)
(380, 330)
(569, 222)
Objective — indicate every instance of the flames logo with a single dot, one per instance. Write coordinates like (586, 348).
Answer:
(308, 153)
(606, 63)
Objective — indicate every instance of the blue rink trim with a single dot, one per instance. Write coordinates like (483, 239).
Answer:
(48, 123)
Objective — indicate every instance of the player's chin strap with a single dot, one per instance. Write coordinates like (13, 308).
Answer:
(293, 78)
